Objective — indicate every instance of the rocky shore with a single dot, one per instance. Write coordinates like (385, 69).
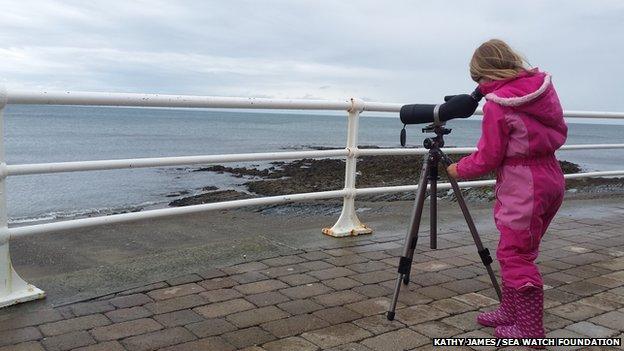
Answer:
(311, 175)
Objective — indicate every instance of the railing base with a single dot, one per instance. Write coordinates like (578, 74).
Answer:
(13, 289)
(27, 293)
(337, 233)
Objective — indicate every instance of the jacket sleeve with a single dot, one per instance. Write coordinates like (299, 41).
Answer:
(492, 146)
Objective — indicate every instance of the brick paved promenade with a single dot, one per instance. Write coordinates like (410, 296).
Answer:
(334, 298)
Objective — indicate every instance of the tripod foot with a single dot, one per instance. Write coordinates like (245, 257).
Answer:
(406, 279)
(390, 315)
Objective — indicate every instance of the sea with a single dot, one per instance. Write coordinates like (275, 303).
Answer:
(41, 134)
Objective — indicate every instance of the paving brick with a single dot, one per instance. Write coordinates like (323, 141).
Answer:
(267, 298)
(582, 288)
(248, 337)
(178, 318)
(372, 306)
(601, 303)
(378, 324)
(185, 279)
(250, 277)
(74, 324)
(261, 286)
(575, 311)
(105, 346)
(305, 291)
(208, 344)
(256, 316)
(436, 329)
(419, 314)
(374, 277)
(294, 325)
(436, 292)
(398, 340)
(130, 300)
(125, 329)
(175, 291)
(477, 300)
(217, 283)
(219, 295)
(128, 314)
(276, 272)
(83, 309)
(337, 315)
(283, 261)
(341, 283)
(315, 265)
(465, 321)
(592, 330)
(466, 286)
(157, 339)
(339, 252)
(452, 306)
(336, 335)
(315, 255)
(429, 279)
(68, 341)
(175, 304)
(372, 290)
(225, 308)
(26, 346)
(346, 260)
(298, 279)
(212, 273)
(16, 336)
(211, 327)
(300, 306)
(370, 266)
(613, 320)
(331, 273)
(290, 344)
(410, 298)
(338, 298)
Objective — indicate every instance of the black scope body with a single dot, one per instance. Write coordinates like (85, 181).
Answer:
(455, 106)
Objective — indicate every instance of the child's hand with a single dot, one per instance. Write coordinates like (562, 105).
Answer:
(452, 171)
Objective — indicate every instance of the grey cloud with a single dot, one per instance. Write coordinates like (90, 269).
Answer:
(388, 51)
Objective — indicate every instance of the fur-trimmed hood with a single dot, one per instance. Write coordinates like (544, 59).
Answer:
(531, 92)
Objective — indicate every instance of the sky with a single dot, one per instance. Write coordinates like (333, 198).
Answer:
(388, 51)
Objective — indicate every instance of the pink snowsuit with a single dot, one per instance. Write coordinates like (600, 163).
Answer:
(522, 127)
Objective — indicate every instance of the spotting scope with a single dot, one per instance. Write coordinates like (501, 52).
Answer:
(455, 106)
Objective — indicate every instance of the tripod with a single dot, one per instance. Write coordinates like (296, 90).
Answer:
(429, 174)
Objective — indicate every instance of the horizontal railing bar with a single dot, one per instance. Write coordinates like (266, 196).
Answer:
(194, 101)
(470, 184)
(168, 212)
(78, 166)
(160, 100)
(464, 150)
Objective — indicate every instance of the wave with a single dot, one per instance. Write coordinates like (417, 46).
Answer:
(81, 213)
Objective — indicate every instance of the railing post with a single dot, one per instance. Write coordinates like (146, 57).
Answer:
(348, 223)
(13, 289)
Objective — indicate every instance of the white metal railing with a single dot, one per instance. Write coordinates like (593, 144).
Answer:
(14, 289)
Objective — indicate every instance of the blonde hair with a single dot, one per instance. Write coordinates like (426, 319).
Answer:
(496, 60)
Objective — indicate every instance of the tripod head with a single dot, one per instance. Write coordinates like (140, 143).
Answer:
(438, 141)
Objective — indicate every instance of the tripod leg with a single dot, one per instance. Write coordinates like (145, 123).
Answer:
(433, 204)
(405, 262)
(483, 252)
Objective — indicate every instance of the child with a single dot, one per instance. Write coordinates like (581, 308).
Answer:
(522, 127)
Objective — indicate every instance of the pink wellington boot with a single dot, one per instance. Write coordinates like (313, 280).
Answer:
(529, 304)
(504, 315)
